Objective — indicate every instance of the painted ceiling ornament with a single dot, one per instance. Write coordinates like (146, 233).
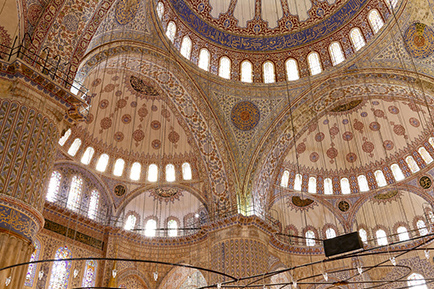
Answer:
(126, 10)
(387, 196)
(120, 190)
(245, 115)
(5, 39)
(425, 182)
(299, 204)
(142, 87)
(166, 194)
(419, 40)
(347, 106)
(344, 206)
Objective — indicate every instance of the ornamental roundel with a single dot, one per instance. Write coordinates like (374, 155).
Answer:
(120, 190)
(343, 206)
(425, 182)
(245, 115)
(419, 40)
(126, 10)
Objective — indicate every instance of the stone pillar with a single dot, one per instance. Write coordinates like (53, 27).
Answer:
(239, 250)
(29, 131)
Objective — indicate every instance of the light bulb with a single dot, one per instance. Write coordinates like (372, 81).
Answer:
(8, 281)
(155, 275)
(40, 275)
(360, 270)
(427, 254)
(114, 273)
(326, 276)
(393, 261)
(75, 273)
(219, 286)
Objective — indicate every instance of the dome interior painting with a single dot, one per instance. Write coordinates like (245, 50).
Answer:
(191, 144)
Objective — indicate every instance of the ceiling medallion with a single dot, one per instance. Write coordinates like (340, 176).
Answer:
(419, 40)
(343, 206)
(386, 196)
(425, 182)
(299, 202)
(166, 194)
(119, 190)
(347, 106)
(245, 115)
(143, 88)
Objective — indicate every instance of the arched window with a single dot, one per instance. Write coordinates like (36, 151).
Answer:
(402, 233)
(186, 47)
(60, 270)
(204, 58)
(170, 173)
(74, 196)
(160, 9)
(186, 171)
(172, 225)
(336, 53)
(311, 188)
(297, 182)
(130, 222)
(425, 155)
(381, 238)
(65, 137)
(285, 179)
(397, 172)
(423, 231)
(328, 186)
(118, 169)
(93, 204)
(379, 177)
(73, 149)
(412, 164)
(151, 228)
(363, 183)
(53, 186)
(310, 238)
(292, 69)
(357, 39)
(102, 163)
(375, 20)
(330, 233)
(416, 281)
(89, 274)
(314, 63)
(153, 173)
(225, 67)
(31, 270)
(268, 72)
(87, 156)
(363, 235)
(171, 31)
(431, 141)
(246, 71)
(136, 169)
(345, 186)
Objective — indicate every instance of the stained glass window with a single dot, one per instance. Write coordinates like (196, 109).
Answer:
(65, 137)
(345, 186)
(292, 69)
(416, 281)
(74, 196)
(423, 231)
(53, 186)
(102, 163)
(31, 271)
(172, 225)
(312, 185)
(119, 167)
(363, 235)
(186, 47)
(297, 182)
(74, 147)
(363, 183)
(170, 173)
(268, 71)
(89, 274)
(397, 172)
(425, 155)
(381, 237)
(412, 164)
(204, 58)
(87, 156)
(61, 269)
(160, 9)
(330, 233)
(171, 31)
(131, 222)
(328, 186)
(285, 179)
(246, 71)
(314, 63)
(310, 238)
(93, 204)
(186, 171)
(225, 67)
(402, 233)
(357, 38)
(150, 228)
(153, 173)
(136, 169)
(336, 53)
(375, 20)
(379, 177)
